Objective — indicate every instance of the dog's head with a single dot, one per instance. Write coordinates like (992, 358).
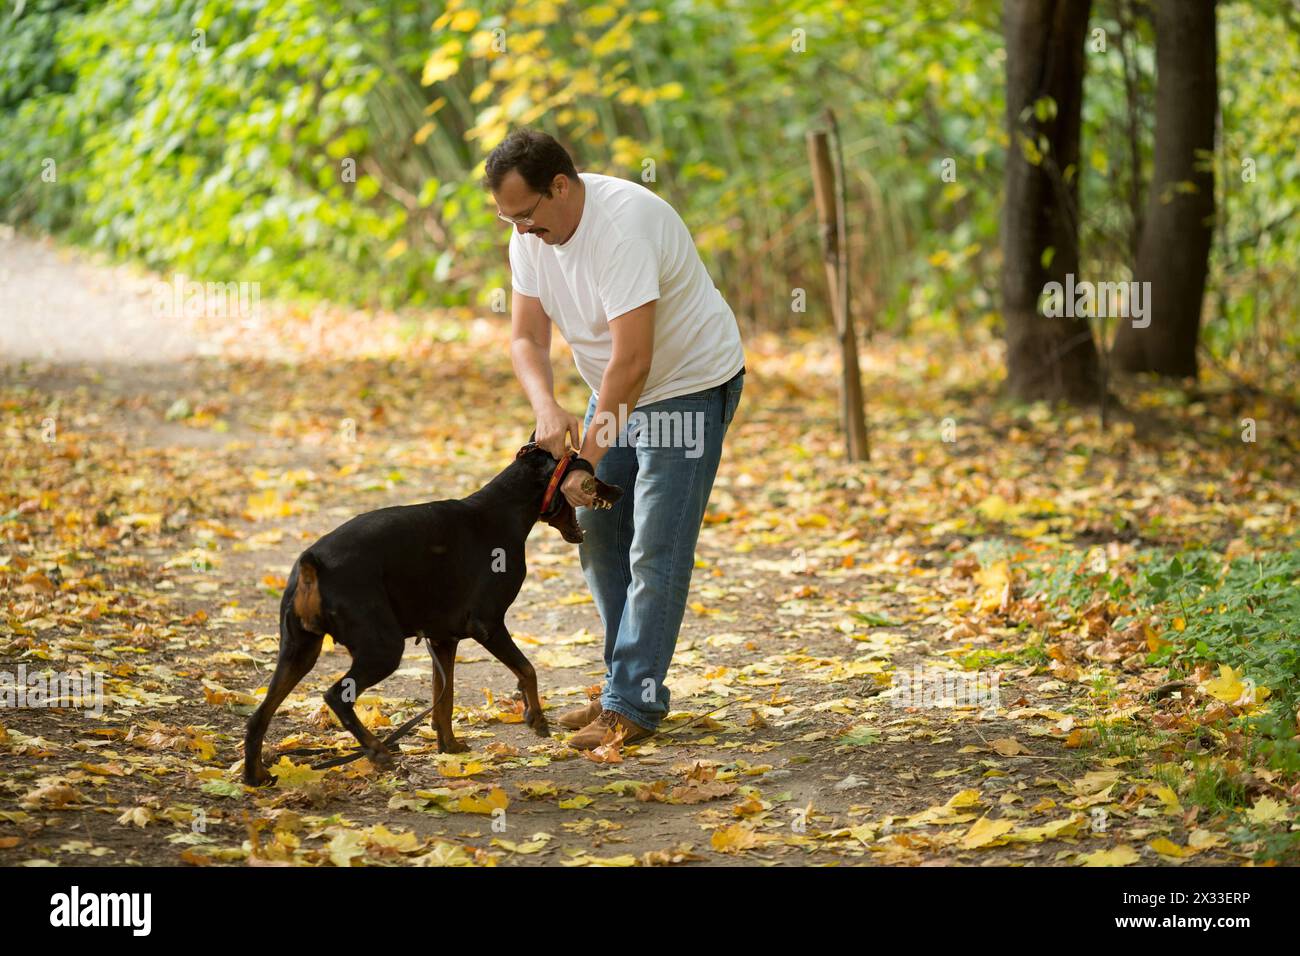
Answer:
(559, 514)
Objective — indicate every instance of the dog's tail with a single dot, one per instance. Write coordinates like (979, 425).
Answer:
(304, 596)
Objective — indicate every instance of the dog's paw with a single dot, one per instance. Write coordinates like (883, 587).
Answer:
(453, 746)
(381, 757)
(256, 775)
(537, 721)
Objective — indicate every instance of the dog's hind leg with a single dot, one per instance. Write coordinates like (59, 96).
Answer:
(299, 649)
(375, 640)
(501, 645)
(443, 654)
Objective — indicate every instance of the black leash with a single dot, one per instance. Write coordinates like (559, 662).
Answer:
(392, 738)
(407, 727)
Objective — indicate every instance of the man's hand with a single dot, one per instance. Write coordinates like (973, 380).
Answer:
(530, 353)
(552, 423)
(580, 488)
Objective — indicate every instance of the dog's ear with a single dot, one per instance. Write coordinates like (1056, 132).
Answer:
(531, 446)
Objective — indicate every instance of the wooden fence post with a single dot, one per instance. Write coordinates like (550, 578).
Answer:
(830, 214)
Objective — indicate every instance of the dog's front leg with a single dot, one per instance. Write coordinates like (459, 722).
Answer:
(501, 645)
(443, 654)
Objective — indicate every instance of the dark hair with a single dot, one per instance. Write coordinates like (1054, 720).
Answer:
(537, 156)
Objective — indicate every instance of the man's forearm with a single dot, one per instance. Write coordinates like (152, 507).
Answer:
(620, 388)
(532, 366)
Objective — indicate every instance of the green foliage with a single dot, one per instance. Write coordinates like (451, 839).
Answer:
(1246, 614)
(1029, 653)
(211, 138)
(1243, 613)
(224, 159)
(1254, 283)
(1252, 287)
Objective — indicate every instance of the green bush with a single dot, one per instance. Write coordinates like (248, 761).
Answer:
(1246, 614)
(221, 154)
(212, 138)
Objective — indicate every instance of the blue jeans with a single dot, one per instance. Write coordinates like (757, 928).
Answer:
(638, 555)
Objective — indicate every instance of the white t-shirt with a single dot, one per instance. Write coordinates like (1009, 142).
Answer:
(630, 248)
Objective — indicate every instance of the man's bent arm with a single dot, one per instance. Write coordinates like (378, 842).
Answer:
(633, 340)
(530, 350)
(530, 354)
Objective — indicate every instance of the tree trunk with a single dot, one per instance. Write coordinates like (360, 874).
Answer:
(1047, 358)
(1173, 254)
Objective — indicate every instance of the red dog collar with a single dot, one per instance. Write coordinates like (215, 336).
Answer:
(556, 477)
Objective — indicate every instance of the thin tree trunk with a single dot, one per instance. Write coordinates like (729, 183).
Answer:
(1129, 40)
(1047, 358)
(1173, 254)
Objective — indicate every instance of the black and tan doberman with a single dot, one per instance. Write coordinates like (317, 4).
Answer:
(443, 571)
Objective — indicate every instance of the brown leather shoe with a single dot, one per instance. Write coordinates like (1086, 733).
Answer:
(610, 727)
(579, 717)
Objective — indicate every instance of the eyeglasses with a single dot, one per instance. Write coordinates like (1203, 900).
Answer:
(526, 219)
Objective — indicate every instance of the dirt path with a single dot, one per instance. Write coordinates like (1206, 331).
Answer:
(58, 307)
(149, 539)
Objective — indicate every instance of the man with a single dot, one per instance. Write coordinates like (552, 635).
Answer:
(615, 268)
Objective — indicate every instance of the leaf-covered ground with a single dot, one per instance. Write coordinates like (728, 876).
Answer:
(1132, 588)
